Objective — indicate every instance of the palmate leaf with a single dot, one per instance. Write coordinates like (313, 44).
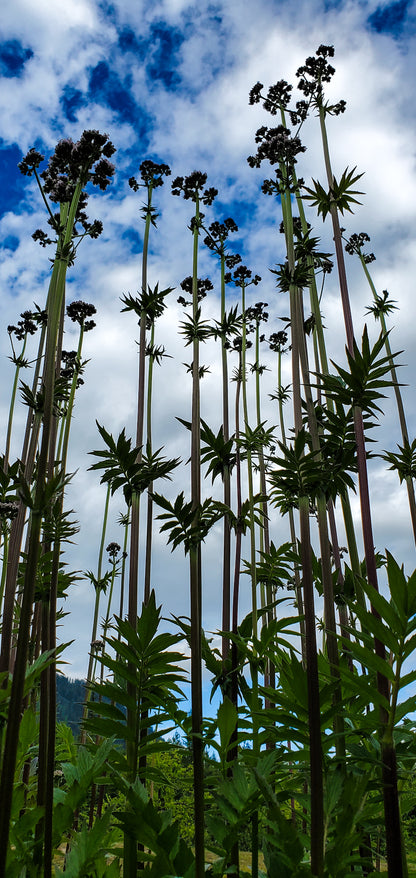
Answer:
(216, 452)
(255, 508)
(90, 849)
(256, 439)
(150, 302)
(188, 524)
(156, 831)
(145, 659)
(404, 462)
(195, 329)
(276, 565)
(393, 624)
(283, 848)
(124, 468)
(302, 472)
(340, 195)
(229, 326)
(361, 384)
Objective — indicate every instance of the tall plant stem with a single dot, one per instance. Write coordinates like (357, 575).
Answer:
(29, 448)
(316, 764)
(237, 563)
(388, 757)
(12, 405)
(149, 522)
(135, 510)
(320, 339)
(254, 674)
(123, 569)
(56, 297)
(195, 579)
(327, 584)
(226, 559)
(316, 760)
(92, 654)
(398, 395)
(249, 469)
(292, 527)
(130, 851)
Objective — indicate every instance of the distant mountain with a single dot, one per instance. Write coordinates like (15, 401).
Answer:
(70, 699)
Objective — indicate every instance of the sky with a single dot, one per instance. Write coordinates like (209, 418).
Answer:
(169, 81)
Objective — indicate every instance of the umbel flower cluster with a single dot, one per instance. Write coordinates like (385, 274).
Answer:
(72, 165)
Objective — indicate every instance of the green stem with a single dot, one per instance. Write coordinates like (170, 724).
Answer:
(226, 566)
(398, 395)
(391, 802)
(11, 409)
(130, 851)
(195, 580)
(149, 523)
(56, 298)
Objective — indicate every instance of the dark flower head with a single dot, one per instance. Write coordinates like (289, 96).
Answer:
(153, 173)
(70, 366)
(79, 311)
(255, 93)
(218, 234)
(232, 259)
(192, 187)
(355, 245)
(31, 161)
(83, 161)
(41, 236)
(278, 341)
(278, 96)
(95, 229)
(316, 71)
(257, 313)
(277, 146)
(113, 550)
(103, 170)
(204, 285)
(26, 326)
(242, 276)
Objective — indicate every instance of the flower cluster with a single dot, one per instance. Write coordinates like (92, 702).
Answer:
(278, 96)
(113, 550)
(242, 277)
(255, 314)
(78, 313)
(216, 237)
(152, 175)
(192, 187)
(277, 100)
(204, 285)
(315, 71)
(30, 162)
(313, 74)
(85, 161)
(278, 341)
(71, 366)
(28, 324)
(355, 244)
(277, 146)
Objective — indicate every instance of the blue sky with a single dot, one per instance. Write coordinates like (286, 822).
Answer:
(170, 81)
